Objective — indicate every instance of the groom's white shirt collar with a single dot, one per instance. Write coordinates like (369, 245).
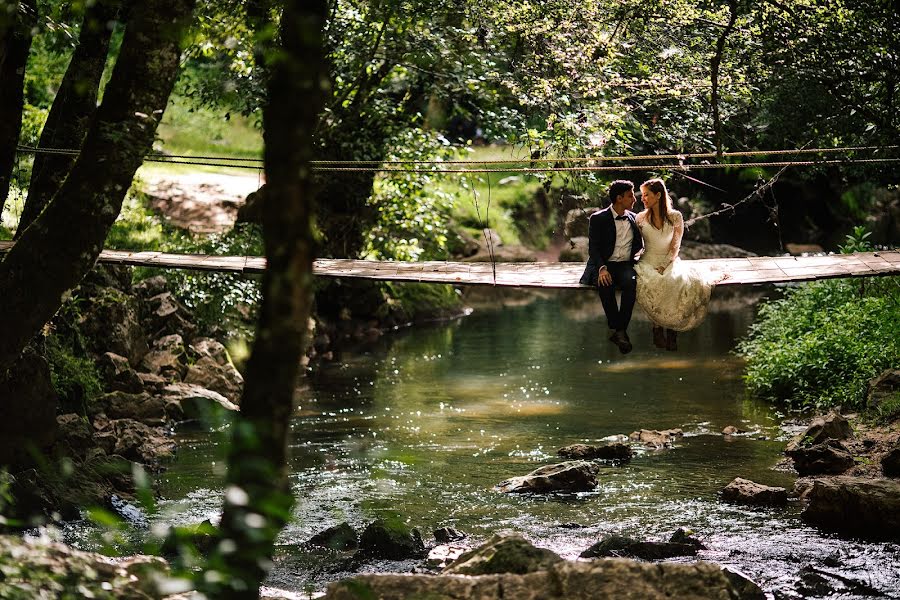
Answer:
(615, 214)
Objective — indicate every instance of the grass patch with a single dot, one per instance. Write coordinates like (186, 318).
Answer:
(206, 132)
(888, 411)
(137, 227)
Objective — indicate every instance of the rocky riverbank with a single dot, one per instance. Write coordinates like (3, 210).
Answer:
(848, 468)
(118, 368)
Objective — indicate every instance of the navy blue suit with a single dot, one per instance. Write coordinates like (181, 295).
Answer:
(601, 243)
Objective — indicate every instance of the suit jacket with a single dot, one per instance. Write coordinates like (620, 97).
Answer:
(602, 242)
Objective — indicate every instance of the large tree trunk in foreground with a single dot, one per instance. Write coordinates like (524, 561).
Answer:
(258, 499)
(15, 43)
(73, 108)
(56, 251)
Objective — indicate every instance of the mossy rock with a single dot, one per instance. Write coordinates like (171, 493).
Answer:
(503, 554)
(392, 539)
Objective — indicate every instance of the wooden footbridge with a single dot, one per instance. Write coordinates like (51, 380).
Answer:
(735, 271)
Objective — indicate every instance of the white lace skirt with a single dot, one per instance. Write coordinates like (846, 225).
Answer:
(676, 299)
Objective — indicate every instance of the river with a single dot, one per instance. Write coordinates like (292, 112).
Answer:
(427, 420)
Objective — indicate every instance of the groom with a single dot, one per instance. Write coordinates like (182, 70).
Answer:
(613, 241)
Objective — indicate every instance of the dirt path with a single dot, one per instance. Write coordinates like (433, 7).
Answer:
(199, 202)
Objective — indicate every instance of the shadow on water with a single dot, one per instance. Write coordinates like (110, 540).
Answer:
(428, 420)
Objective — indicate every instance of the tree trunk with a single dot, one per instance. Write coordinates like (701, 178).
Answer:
(56, 251)
(714, 75)
(258, 500)
(73, 108)
(16, 43)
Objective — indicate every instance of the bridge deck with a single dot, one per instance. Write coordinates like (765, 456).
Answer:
(740, 271)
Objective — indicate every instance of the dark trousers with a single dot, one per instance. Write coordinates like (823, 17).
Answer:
(624, 278)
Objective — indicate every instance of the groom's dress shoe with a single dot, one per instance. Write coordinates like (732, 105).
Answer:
(620, 339)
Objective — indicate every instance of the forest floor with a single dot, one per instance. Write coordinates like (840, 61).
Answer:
(202, 202)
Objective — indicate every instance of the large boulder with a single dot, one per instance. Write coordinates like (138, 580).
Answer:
(744, 491)
(34, 567)
(117, 374)
(611, 578)
(827, 458)
(111, 323)
(503, 554)
(391, 539)
(570, 476)
(209, 373)
(890, 463)
(854, 505)
(251, 210)
(339, 537)
(617, 451)
(832, 426)
(167, 358)
(133, 440)
(691, 250)
(164, 315)
(74, 435)
(616, 545)
(149, 410)
(575, 251)
(197, 403)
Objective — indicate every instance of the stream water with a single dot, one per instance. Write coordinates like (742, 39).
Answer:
(428, 420)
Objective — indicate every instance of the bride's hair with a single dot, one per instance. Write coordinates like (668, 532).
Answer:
(658, 186)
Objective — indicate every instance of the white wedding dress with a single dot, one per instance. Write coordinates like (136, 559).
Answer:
(678, 297)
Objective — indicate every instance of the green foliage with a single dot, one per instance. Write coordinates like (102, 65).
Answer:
(136, 227)
(857, 241)
(219, 298)
(412, 210)
(419, 301)
(75, 377)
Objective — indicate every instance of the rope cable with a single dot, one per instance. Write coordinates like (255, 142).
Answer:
(559, 160)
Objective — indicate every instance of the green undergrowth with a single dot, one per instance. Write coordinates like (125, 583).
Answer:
(74, 375)
(420, 301)
(207, 132)
(820, 344)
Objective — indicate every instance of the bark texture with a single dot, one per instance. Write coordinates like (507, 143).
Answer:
(15, 43)
(258, 500)
(73, 108)
(56, 251)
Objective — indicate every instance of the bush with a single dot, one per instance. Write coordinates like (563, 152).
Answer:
(218, 298)
(820, 344)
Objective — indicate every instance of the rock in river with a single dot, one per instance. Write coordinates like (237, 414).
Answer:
(744, 491)
(854, 505)
(615, 451)
(504, 554)
(570, 476)
(611, 578)
(827, 458)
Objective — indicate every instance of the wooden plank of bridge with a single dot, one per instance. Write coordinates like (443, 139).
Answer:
(736, 271)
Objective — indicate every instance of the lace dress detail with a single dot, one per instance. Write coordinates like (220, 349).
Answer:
(678, 297)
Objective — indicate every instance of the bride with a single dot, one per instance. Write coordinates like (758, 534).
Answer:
(673, 294)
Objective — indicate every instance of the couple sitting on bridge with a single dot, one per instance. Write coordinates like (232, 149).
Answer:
(638, 254)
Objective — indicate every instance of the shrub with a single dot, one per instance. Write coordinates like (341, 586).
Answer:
(820, 344)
